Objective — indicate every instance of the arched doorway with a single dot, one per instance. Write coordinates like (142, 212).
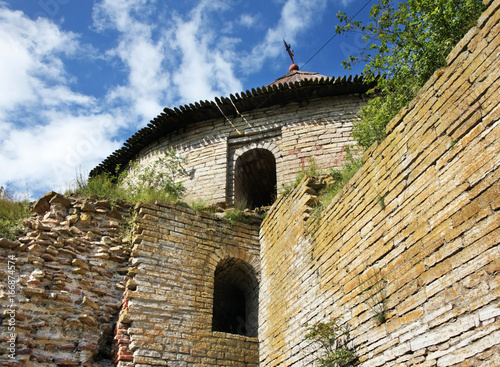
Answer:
(255, 178)
(236, 298)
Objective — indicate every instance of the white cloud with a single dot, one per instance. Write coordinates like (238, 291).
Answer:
(183, 62)
(296, 16)
(206, 68)
(48, 157)
(47, 130)
(146, 87)
(248, 20)
(30, 63)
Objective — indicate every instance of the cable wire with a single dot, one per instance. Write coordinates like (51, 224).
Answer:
(335, 35)
(300, 68)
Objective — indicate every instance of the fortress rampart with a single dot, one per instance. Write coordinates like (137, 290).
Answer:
(413, 237)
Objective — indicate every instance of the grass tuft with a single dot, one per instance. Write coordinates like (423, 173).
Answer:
(12, 212)
(340, 178)
(237, 214)
(142, 183)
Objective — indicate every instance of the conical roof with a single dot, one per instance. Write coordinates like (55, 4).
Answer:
(297, 76)
(294, 86)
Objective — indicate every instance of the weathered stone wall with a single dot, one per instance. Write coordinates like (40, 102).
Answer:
(169, 307)
(69, 281)
(415, 234)
(319, 128)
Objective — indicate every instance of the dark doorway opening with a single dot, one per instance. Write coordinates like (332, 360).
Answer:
(255, 178)
(235, 308)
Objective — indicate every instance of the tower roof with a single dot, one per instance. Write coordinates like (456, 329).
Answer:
(294, 86)
(296, 75)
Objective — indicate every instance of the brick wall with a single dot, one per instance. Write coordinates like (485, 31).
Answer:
(169, 308)
(318, 128)
(415, 233)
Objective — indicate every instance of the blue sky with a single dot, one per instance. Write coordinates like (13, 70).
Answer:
(79, 77)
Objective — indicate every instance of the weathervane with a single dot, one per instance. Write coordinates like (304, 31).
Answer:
(294, 66)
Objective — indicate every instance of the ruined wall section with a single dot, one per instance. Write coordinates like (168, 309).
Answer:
(319, 128)
(69, 281)
(170, 293)
(414, 235)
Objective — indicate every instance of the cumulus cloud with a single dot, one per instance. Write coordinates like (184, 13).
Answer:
(146, 87)
(296, 16)
(182, 62)
(44, 123)
(206, 67)
(49, 156)
(30, 63)
(248, 20)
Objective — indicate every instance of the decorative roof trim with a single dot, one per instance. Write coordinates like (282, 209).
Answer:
(179, 117)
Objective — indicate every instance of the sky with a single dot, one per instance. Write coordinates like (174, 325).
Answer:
(79, 77)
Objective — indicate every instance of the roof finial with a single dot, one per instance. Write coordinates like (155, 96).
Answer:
(294, 66)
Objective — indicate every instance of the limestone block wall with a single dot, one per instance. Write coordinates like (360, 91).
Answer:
(167, 318)
(318, 128)
(61, 297)
(415, 234)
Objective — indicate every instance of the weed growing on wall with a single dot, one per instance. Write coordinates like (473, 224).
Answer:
(104, 186)
(333, 338)
(202, 206)
(161, 176)
(311, 169)
(237, 214)
(157, 181)
(375, 288)
(12, 212)
(340, 177)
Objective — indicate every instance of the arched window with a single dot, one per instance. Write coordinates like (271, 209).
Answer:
(236, 298)
(255, 178)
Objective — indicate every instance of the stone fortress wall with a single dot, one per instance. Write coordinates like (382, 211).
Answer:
(414, 234)
(70, 270)
(85, 296)
(184, 265)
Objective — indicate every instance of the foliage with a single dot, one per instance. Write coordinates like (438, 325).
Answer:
(104, 186)
(405, 42)
(375, 288)
(237, 214)
(202, 206)
(333, 337)
(146, 180)
(12, 212)
(340, 177)
(157, 181)
(311, 169)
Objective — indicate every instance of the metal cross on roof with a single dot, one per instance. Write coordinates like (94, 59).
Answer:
(289, 50)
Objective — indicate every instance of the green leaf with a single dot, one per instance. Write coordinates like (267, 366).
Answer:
(410, 41)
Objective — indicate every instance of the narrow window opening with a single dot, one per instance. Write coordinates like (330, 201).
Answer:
(235, 308)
